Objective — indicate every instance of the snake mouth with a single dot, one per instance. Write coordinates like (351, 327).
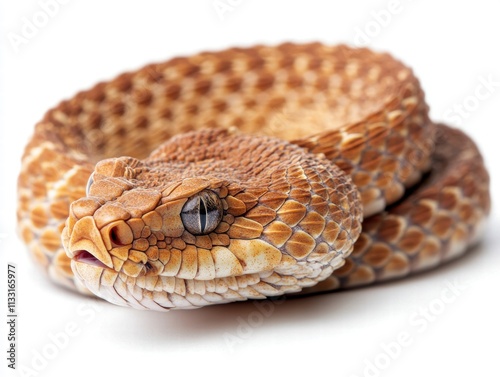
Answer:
(83, 256)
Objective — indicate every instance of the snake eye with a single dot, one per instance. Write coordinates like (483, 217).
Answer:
(89, 183)
(202, 213)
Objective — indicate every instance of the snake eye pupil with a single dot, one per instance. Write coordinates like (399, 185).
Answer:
(203, 216)
(202, 213)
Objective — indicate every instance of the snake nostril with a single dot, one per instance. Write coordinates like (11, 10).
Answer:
(114, 235)
(120, 234)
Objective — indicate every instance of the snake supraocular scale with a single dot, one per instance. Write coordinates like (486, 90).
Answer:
(271, 157)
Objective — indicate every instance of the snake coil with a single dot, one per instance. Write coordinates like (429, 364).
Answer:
(294, 168)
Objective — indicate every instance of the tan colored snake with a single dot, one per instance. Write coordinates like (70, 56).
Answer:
(266, 161)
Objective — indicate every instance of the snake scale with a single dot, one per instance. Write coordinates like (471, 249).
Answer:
(273, 170)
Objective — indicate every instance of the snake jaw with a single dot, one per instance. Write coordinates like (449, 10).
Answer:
(83, 256)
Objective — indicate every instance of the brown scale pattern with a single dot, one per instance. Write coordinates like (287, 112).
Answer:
(290, 218)
(436, 223)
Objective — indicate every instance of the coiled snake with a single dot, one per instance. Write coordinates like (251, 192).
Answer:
(267, 160)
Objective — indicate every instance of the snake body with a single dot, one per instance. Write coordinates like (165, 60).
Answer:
(274, 170)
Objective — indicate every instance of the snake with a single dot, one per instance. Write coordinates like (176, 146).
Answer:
(248, 173)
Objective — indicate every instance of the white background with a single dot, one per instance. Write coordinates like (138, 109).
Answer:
(450, 44)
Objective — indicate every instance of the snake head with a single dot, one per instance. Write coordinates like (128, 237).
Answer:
(190, 229)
